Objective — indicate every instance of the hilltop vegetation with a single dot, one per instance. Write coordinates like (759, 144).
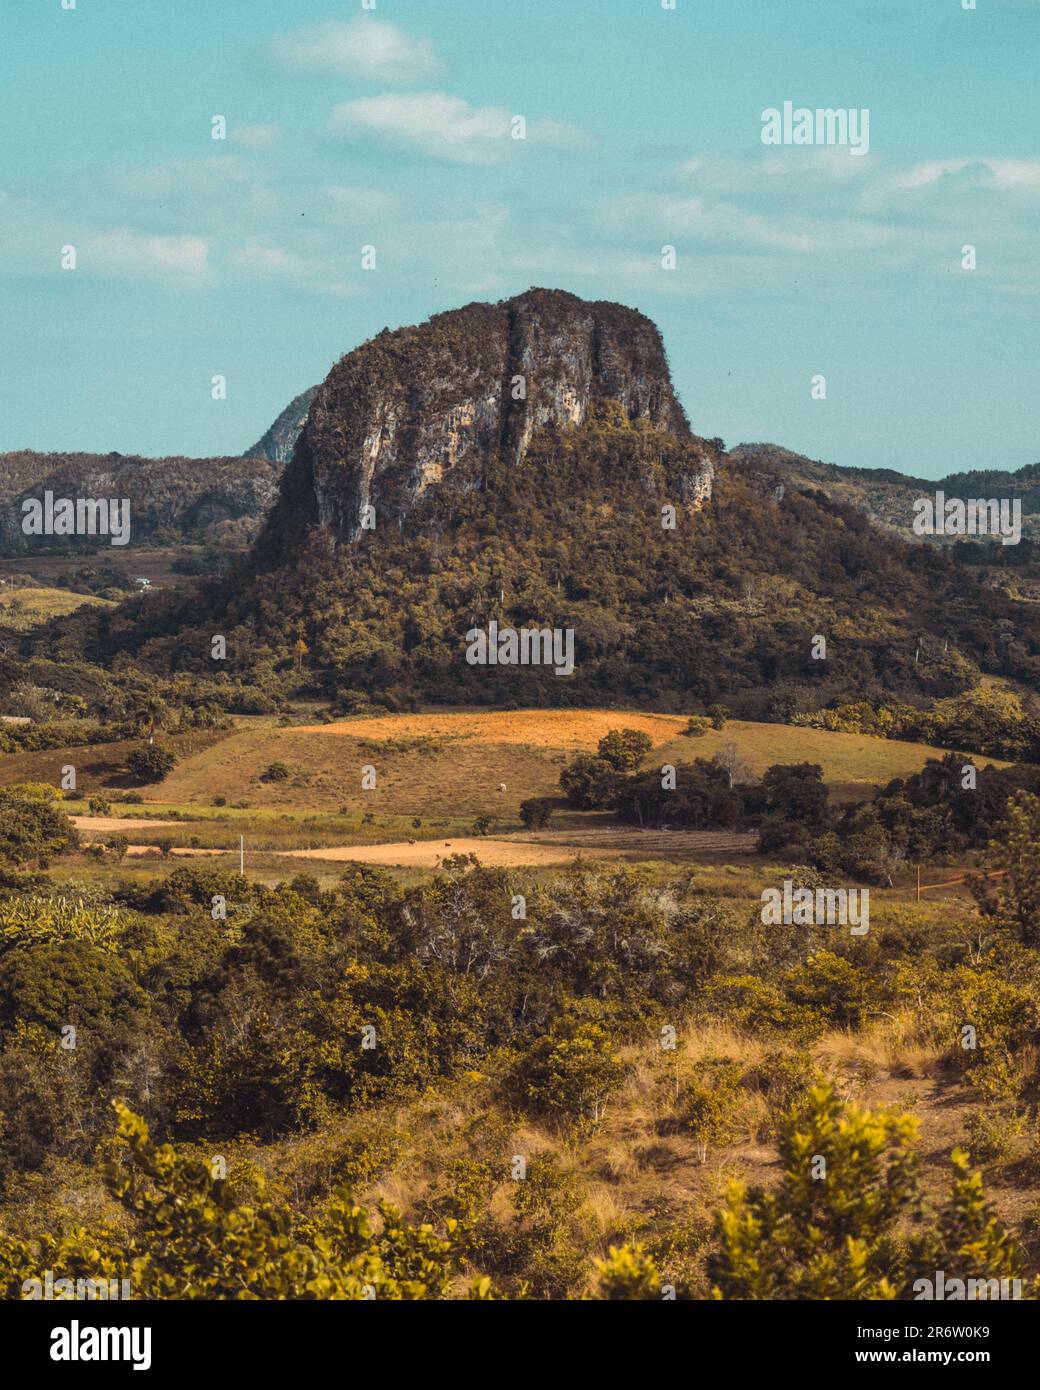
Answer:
(172, 500)
(726, 607)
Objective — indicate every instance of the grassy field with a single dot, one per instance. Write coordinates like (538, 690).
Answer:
(451, 766)
(435, 774)
(22, 609)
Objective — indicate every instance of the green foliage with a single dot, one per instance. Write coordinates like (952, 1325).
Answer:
(590, 782)
(628, 1273)
(697, 726)
(151, 762)
(624, 749)
(536, 812)
(65, 982)
(1015, 851)
(32, 827)
(570, 1073)
(829, 1231)
(190, 1238)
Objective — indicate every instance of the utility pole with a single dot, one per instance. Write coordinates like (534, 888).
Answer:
(242, 858)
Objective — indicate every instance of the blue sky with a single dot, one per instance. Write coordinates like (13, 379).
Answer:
(390, 127)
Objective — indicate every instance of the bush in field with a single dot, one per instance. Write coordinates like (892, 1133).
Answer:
(697, 726)
(190, 1237)
(590, 783)
(151, 762)
(624, 749)
(830, 1229)
(628, 1274)
(570, 1072)
(67, 982)
(32, 828)
(536, 812)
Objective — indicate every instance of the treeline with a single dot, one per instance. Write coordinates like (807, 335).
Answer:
(949, 807)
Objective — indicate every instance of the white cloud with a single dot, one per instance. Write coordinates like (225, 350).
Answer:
(196, 178)
(33, 235)
(124, 253)
(353, 204)
(773, 172)
(362, 48)
(255, 137)
(445, 127)
(950, 182)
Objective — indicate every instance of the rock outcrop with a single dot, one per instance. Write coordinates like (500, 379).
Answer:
(278, 443)
(442, 405)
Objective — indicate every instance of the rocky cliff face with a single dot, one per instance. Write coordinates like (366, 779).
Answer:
(441, 405)
(278, 443)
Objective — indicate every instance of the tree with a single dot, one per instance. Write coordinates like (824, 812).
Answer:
(1015, 849)
(718, 714)
(736, 768)
(536, 811)
(797, 791)
(624, 749)
(31, 828)
(589, 782)
(151, 762)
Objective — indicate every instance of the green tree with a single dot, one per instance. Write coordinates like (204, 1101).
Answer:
(151, 762)
(624, 749)
(1015, 851)
(536, 811)
(589, 782)
(31, 828)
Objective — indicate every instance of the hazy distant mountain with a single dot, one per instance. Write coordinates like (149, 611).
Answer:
(280, 440)
(887, 497)
(171, 499)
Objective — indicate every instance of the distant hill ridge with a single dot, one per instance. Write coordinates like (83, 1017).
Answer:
(171, 499)
(887, 496)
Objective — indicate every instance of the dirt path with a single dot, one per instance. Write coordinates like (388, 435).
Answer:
(427, 854)
(108, 823)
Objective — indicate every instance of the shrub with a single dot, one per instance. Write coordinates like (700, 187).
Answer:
(624, 749)
(570, 1072)
(31, 828)
(536, 811)
(696, 726)
(151, 762)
